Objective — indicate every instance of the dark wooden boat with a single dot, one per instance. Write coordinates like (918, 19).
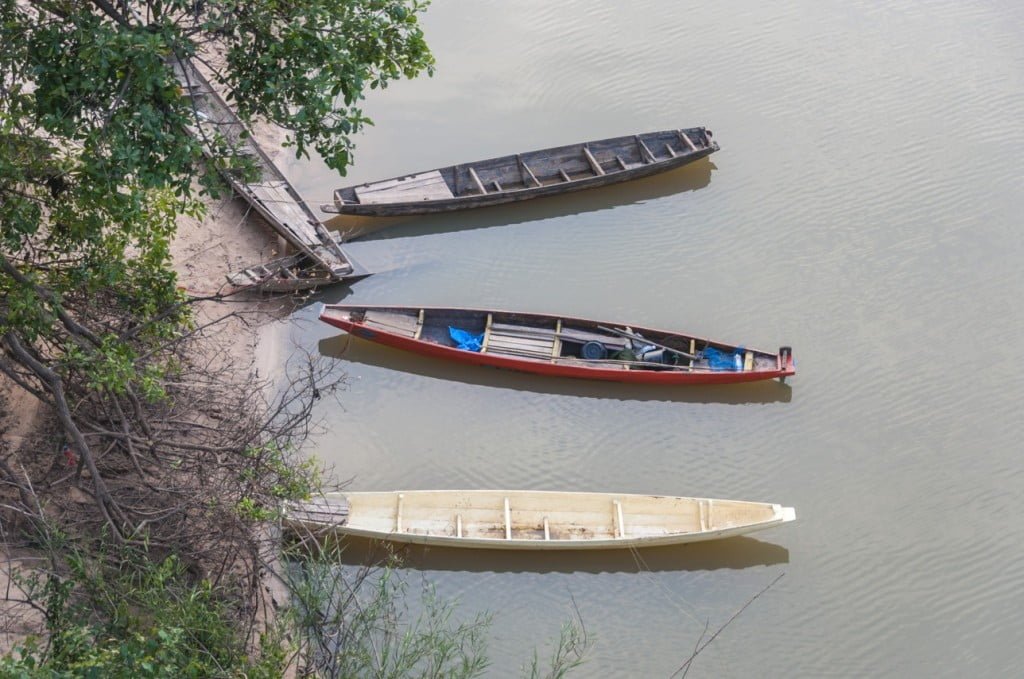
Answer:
(560, 346)
(527, 175)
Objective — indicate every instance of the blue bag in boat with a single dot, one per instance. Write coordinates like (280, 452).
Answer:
(466, 340)
(724, 360)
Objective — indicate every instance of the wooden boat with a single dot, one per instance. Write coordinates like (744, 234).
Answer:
(559, 346)
(291, 273)
(527, 175)
(523, 519)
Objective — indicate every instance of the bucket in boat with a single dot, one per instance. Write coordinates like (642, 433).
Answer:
(654, 356)
(593, 351)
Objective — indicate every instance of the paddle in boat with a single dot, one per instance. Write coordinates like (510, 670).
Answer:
(523, 519)
(527, 175)
(559, 346)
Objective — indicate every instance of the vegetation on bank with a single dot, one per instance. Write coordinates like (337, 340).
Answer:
(140, 501)
(138, 510)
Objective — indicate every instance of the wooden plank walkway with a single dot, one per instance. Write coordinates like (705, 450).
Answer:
(272, 195)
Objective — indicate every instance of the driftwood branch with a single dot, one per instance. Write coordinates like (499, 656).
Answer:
(685, 667)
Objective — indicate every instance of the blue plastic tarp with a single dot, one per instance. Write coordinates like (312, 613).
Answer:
(724, 360)
(466, 340)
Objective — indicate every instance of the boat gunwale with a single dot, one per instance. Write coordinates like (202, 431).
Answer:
(344, 206)
(781, 514)
(585, 368)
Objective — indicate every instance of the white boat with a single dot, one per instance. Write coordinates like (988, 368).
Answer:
(520, 519)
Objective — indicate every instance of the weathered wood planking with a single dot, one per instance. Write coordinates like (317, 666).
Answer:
(425, 186)
(554, 345)
(527, 175)
(565, 334)
(394, 322)
(321, 511)
(271, 194)
(542, 348)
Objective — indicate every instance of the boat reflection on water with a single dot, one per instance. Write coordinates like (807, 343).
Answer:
(691, 177)
(358, 351)
(733, 553)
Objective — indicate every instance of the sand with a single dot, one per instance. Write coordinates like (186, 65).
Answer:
(230, 237)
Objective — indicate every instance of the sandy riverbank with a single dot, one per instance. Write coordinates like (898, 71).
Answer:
(230, 237)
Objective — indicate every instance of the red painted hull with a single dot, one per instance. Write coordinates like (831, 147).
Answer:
(784, 367)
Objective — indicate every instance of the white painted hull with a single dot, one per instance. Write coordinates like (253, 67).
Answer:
(536, 520)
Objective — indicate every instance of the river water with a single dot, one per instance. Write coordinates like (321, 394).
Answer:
(865, 209)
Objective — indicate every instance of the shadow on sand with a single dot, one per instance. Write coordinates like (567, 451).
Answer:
(687, 178)
(356, 350)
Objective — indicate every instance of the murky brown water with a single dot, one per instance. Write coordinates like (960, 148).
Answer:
(865, 208)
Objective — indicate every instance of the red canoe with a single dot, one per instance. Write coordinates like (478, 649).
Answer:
(560, 346)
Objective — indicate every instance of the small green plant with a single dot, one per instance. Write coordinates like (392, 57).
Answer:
(139, 618)
(272, 475)
(357, 624)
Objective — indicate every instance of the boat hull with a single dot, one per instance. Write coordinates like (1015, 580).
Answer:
(604, 167)
(536, 520)
(339, 316)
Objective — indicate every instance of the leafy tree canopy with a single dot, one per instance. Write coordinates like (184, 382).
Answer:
(95, 160)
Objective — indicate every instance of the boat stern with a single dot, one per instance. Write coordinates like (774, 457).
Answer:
(786, 514)
(787, 366)
(708, 141)
(339, 318)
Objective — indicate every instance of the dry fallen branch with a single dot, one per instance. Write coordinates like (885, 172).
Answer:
(189, 473)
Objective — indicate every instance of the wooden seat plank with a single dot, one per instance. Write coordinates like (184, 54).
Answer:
(476, 180)
(508, 521)
(594, 165)
(645, 153)
(487, 333)
(528, 172)
(419, 324)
